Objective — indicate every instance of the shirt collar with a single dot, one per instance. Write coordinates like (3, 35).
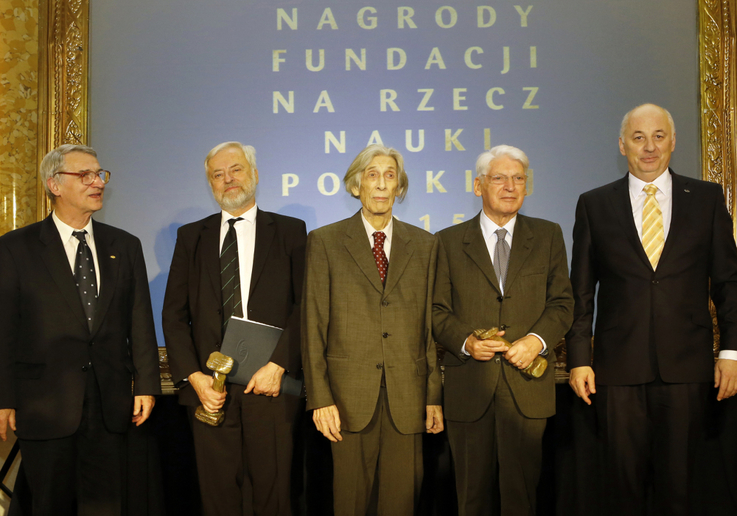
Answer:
(664, 182)
(249, 216)
(65, 230)
(489, 227)
(388, 230)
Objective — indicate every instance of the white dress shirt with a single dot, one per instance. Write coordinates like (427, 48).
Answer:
(71, 243)
(245, 231)
(664, 196)
(388, 231)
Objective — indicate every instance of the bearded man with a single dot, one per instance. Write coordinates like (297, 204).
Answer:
(246, 263)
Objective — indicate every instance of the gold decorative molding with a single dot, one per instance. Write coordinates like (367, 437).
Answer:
(18, 112)
(717, 64)
(63, 85)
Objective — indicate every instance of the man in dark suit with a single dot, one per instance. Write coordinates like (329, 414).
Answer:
(369, 359)
(244, 465)
(76, 329)
(657, 244)
(499, 269)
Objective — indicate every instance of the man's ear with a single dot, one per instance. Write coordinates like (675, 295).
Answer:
(53, 186)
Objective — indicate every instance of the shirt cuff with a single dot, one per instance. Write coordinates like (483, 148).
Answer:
(544, 351)
(728, 354)
(463, 349)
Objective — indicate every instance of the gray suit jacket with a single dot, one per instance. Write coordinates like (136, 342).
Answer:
(355, 328)
(537, 299)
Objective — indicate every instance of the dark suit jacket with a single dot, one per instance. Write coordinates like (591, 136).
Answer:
(355, 328)
(192, 317)
(649, 321)
(537, 299)
(46, 345)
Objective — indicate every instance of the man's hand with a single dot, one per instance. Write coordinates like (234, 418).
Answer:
(434, 421)
(266, 381)
(725, 378)
(142, 407)
(524, 351)
(582, 382)
(327, 421)
(7, 418)
(211, 400)
(483, 350)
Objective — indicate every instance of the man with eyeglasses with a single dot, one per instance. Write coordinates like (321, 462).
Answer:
(248, 263)
(505, 270)
(78, 354)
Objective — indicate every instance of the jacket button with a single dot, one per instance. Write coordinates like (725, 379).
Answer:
(385, 334)
(87, 367)
(379, 366)
(385, 303)
(502, 327)
(497, 360)
(655, 282)
(500, 298)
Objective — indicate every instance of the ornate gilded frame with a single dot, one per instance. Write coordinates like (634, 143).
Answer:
(64, 79)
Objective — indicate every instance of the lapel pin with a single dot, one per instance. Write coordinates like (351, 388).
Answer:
(112, 256)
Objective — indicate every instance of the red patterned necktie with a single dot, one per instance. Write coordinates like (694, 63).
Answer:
(379, 255)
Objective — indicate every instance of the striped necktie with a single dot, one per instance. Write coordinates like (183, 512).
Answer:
(653, 235)
(230, 278)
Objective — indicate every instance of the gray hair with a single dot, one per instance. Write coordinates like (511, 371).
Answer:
(54, 162)
(352, 178)
(485, 158)
(626, 119)
(248, 150)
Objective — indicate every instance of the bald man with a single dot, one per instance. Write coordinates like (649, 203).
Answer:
(658, 245)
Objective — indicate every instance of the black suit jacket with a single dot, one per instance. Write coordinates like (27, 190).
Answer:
(192, 305)
(46, 345)
(649, 321)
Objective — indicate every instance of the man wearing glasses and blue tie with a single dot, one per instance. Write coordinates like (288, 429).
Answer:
(78, 355)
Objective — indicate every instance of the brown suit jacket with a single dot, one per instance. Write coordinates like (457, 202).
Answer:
(537, 299)
(355, 328)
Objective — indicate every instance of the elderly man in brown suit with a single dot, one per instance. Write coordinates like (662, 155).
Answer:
(499, 269)
(369, 359)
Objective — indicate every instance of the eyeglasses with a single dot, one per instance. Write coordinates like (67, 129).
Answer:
(88, 177)
(502, 180)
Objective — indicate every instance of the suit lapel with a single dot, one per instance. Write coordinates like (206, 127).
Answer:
(108, 259)
(522, 243)
(209, 252)
(680, 208)
(359, 248)
(474, 246)
(265, 232)
(56, 261)
(622, 208)
(401, 252)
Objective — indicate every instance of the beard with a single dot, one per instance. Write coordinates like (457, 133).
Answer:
(237, 199)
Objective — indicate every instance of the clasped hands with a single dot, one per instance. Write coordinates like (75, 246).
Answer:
(521, 354)
(266, 382)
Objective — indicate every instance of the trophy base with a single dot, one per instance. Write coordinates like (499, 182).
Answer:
(209, 418)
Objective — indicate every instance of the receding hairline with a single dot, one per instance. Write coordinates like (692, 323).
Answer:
(628, 116)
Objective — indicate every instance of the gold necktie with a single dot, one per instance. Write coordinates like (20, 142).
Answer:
(653, 236)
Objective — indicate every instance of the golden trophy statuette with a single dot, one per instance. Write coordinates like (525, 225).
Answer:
(535, 370)
(220, 365)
